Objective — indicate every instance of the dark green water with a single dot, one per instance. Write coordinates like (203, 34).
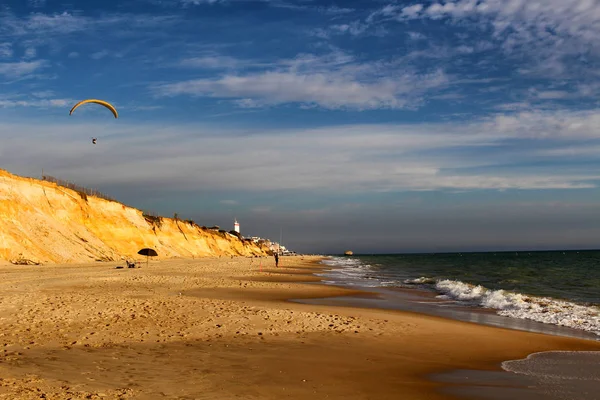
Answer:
(570, 275)
(551, 286)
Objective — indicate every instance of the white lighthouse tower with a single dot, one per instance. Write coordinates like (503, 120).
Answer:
(236, 226)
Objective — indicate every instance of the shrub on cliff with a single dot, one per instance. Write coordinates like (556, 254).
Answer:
(237, 234)
(82, 194)
(153, 219)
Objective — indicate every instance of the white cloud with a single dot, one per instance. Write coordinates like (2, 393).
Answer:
(21, 69)
(44, 24)
(73, 54)
(30, 52)
(37, 103)
(333, 81)
(43, 94)
(198, 2)
(462, 49)
(99, 54)
(213, 61)
(489, 154)
(411, 11)
(43, 27)
(387, 12)
(6, 50)
(322, 89)
(416, 36)
(570, 151)
(36, 3)
(552, 94)
(335, 10)
(355, 28)
(516, 106)
(549, 124)
(546, 31)
(141, 108)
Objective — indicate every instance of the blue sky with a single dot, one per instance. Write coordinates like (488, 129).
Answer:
(378, 126)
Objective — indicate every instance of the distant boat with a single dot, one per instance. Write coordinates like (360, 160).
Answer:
(348, 253)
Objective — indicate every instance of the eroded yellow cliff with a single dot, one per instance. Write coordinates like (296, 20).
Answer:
(41, 222)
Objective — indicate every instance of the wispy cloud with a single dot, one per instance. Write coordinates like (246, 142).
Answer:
(6, 50)
(198, 2)
(570, 151)
(211, 61)
(36, 3)
(546, 124)
(21, 69)
(30, 53)
(335, 10)
(331, 81)
(41, 26)
(552, 94)
(416, 35)
(140, 107)
(99, 54)
(37, 99)
(544, 30)
(307, 6)
(292, 5)
(44, 24)
(36, 103)
(494, 153)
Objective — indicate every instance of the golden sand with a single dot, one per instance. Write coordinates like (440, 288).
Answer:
(220, 328)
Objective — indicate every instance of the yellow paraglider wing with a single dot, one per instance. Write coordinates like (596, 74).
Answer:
(101, 102)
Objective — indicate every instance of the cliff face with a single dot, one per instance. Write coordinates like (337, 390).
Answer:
(41, 222)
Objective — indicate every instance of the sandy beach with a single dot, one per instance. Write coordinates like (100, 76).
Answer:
(221, 328)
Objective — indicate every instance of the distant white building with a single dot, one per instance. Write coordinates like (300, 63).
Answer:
(236, 226)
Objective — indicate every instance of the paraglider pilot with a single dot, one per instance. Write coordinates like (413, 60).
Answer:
(94, 140)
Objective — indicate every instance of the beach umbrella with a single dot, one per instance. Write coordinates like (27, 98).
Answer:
(148, 253)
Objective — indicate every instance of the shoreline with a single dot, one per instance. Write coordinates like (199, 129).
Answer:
(493, 383)
(221, 327)
(424, 301)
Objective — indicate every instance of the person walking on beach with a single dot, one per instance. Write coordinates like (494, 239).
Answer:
(276, 259)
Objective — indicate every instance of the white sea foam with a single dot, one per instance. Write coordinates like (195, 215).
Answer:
(352, 272)
(516, 305)
(564, 375)
(420, 281)
(572, 365)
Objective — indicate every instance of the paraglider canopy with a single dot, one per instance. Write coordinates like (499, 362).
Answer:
(101, 102)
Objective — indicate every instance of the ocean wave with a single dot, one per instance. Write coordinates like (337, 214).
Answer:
(517, 305)
(561, 374)
(420, 281)
(351, 271)
(558, 365)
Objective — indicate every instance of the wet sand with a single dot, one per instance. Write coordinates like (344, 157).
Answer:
(220, 328)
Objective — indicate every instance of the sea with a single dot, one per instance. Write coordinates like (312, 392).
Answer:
(552, 292)
(552, 287)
